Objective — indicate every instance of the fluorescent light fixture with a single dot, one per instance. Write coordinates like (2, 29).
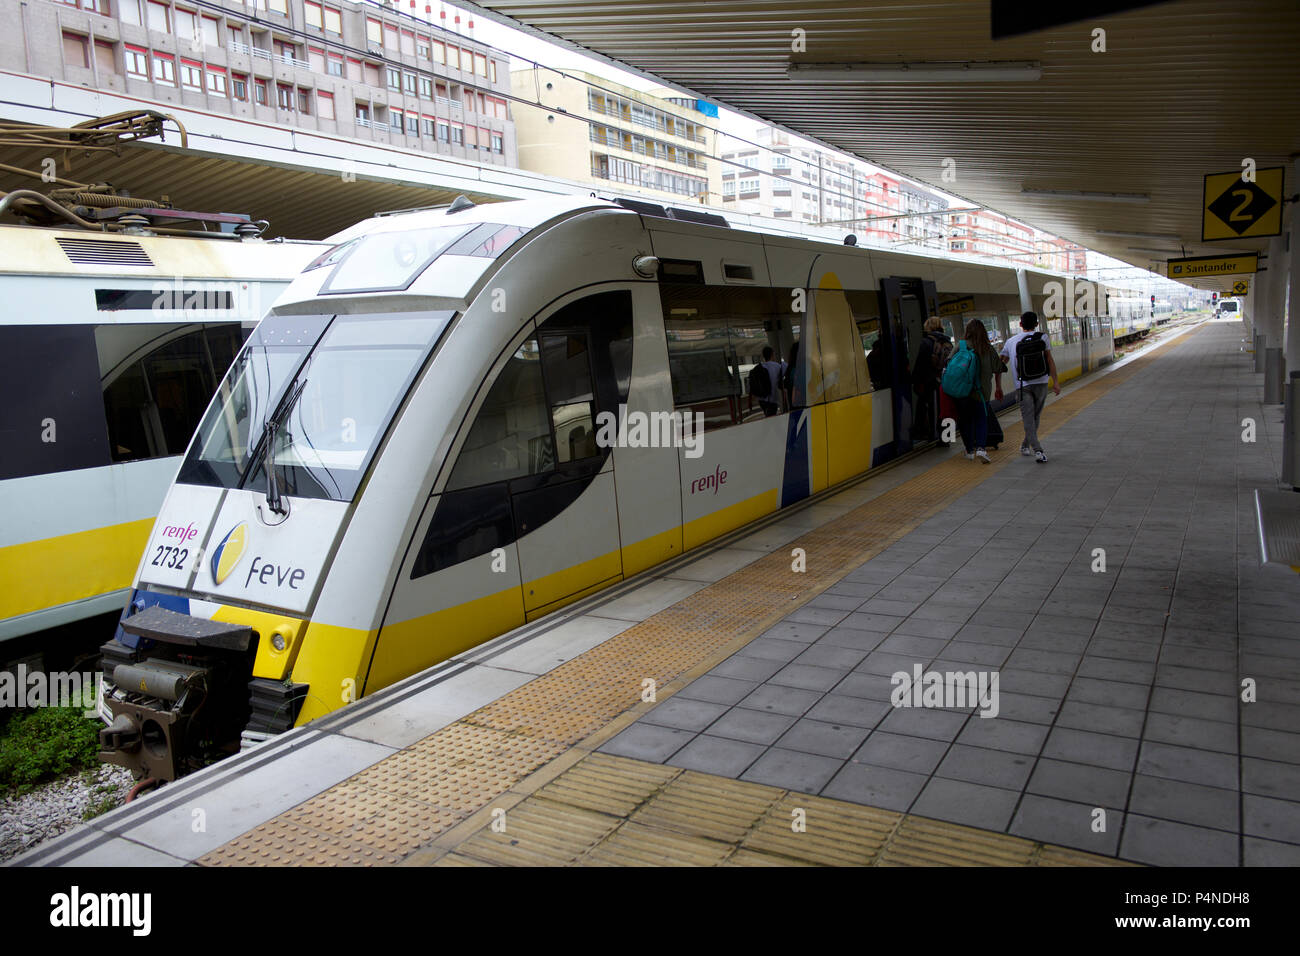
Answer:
(1091, 196)
(1005, 71)
(1156, 236)
(1163, 252)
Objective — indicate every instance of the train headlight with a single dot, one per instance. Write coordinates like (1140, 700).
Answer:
(278, 639)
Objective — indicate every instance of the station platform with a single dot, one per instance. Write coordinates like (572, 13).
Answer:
(729, 709)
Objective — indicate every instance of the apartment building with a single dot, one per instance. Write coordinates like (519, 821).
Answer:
(590, 129)
(987, 233)
(357, 70)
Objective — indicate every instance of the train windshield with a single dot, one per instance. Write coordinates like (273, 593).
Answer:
(332, 397)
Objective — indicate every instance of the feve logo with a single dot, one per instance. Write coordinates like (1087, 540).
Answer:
(227, 554)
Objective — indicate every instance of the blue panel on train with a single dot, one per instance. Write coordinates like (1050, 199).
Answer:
(141, 600)
(796, 481)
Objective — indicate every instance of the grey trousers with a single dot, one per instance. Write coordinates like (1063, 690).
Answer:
(1032, 398)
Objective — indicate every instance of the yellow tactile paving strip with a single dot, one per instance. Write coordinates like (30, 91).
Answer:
(414, 797)
(612, 811)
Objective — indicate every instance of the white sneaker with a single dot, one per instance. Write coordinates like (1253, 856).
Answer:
(982, 455)
(1040, 457)
(970, 456)
(1026, 450)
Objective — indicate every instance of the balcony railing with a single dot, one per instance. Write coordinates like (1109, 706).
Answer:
(286, 58)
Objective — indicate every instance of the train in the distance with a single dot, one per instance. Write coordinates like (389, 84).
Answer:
(407, 457)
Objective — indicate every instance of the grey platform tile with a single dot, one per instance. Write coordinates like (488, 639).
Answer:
(120, 852)
(1185, 763)
(1135, 651)
(971, 804)
(715, 565)
(1185, 802)
(1037, 683)
(859, 591)
(998, 733)
(1270, 744)
(824, 616)
(744, 667)
(717, 690)
(773, 649)
(251, 798)
(968, 652)
(1270, 778)
(1191, 732)
(1165, 843)
(1270, 818)
(825, 739)
(838, 602)
(894, 608)
(927, 628)
(648, 599)
(807, 677)
(795, 631)
(865, 621)
(844, 709)
(682, 713)
(643, 741)
(1167, 700)
(1096, 750)
(1048, 662)
(1068, 624)
(935, 611)
(403, 722)
(716, 755)
(865, 641)
(1027, 708)
(1108, 693)
(1073, 781)
(776, 699)
(989, 634)
(806, 773)
(1195, 679)
(873, 786)
(917, 755)
(1133, 633)
(1066, 823)
(752, 726)
(1257, 852)
(870, 686)
(1106, 668)
(1101, 719)
(993, 768)
(1036, 639)
(822, 654)
(927, 722)
(911, 645)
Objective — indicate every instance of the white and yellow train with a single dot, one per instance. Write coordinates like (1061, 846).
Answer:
(454, 422)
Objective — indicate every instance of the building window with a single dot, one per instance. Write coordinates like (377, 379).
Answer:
(453, 57)
(216, 83)
(480, 61)
(239, 86)
(471, 137)
(325, 105)
(333, 21)
(408, 81)
(374, 32)
(482, 105)
(75, 50)
(160, 17)
(444, 132)
(363, 114)
(457, 134)
(259, 91)
(372, 74)
(284, 97)
(104, 58)
(211, 31)
(164, 69)
(234, 36)
(426, 88)
(335, 65)
(137, 63)
(498, 143)
(469, 101)
(313, 15)
(315, 60)
(394, 79)
(408, 43)
(191, 75)
(279, 6)
(426, 126)
(440, 90)
(412, 124)
(304, 102)
(439, 52)
(354, 70)
(395, 120)
(422, 47)
(494, 70)
(484, 139)
(187, 24)
(728, 188)
(129, 10)
(390, 36)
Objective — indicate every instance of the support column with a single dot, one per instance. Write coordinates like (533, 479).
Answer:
(1289, 294)
(1273, 291)
(1026, 303)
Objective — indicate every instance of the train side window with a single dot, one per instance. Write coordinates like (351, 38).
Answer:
(837, 361)
(873, 349)
(511, 437)
(566, 368)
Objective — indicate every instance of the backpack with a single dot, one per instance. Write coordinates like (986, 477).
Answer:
(1031, 357)
(961, 374)
(760, 382)
(940, 353)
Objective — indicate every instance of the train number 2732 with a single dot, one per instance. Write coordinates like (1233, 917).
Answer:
(169, 557)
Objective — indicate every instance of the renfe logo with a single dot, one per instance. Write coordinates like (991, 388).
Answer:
(227, 554)
(178, 533)
(714, 481)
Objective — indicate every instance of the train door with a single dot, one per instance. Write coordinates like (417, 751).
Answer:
(906, 302)
(584, 346)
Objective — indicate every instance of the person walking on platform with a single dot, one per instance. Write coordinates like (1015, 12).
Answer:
(962, 383)
(931, 357)
(1032, 364)
(991, 369)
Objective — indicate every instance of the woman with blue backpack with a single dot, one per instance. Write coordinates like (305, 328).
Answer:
(962, 381)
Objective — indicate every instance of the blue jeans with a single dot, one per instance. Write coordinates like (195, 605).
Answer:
(972, 421)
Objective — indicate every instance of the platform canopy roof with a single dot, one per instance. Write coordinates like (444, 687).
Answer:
(1108, 149)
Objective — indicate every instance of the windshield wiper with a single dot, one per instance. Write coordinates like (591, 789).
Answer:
(269, 432)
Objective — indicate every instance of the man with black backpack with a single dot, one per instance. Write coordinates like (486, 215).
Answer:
(1030, 358)
(765, 383)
